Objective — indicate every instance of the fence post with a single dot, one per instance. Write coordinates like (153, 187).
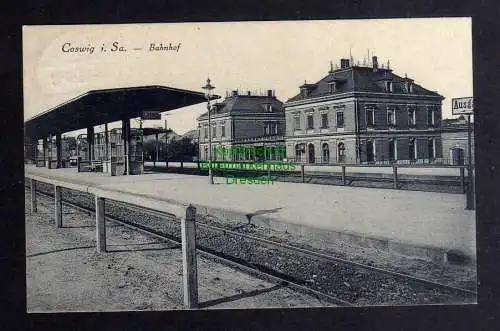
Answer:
(100, 224)
(33, 195)
(189, 267)
(395, 174)
(462, 179)
(343, 175)
(58, 205)
(302, 172)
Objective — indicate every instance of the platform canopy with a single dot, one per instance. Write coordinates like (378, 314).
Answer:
(98, 107)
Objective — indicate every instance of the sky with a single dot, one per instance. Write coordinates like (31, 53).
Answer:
(256, 56)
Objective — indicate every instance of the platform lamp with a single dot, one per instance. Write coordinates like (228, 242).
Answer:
(208, 94)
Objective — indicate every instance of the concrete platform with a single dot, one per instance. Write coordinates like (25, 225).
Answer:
(422, 224)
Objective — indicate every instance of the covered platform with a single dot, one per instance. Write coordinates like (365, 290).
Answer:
(115, 152)
(422, 224)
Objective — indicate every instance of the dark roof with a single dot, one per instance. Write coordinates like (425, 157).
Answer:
(360, 79)
(104, 106)
(245, 104)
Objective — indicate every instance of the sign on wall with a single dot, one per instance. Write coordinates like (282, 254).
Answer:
(151, 115)
(462, 106)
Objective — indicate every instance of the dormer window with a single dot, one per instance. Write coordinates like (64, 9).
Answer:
(303, 92)
(332, 87)
(389, 87)
(269, 108)
(409, 87)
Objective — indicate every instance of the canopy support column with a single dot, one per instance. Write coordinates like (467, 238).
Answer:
(90, 141)
(126, 144)
(58, 151)
(106, 142)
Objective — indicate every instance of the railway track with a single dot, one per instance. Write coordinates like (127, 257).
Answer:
(268, 272)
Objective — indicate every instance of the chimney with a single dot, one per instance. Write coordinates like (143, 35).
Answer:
(375, 63)
(269, 93)
(344, 63)
(235, 93)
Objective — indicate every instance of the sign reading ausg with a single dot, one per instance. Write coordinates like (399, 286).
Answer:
(462, 106)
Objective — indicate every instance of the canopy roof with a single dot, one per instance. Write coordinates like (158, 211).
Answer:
(98, 107)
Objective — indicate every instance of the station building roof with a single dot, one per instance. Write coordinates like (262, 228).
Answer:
(98, 107)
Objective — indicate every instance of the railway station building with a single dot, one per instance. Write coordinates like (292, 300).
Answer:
(361, 114)
(243, 120)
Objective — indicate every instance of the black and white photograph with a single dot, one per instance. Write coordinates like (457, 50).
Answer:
(249, 165)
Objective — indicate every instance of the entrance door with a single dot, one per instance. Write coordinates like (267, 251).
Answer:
(457, 156)
(370, 157)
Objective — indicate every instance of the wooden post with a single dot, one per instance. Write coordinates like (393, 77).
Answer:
(395, 174)
(462, 179)
(58, 205)
(343, 175)
(189, 267)
(33, 195)
(100, 224)
(302, 172)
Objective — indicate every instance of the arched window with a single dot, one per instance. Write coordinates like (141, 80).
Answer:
(311, 155)
(325, 153)
(392, 150)
(341, 152)
(431, 149)
(412, 149)
(298, 151)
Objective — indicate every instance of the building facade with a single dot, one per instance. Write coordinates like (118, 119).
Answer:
(363, 114)
(454, 134)
(243, 120)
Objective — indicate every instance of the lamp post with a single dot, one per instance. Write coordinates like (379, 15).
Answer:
(208, 94)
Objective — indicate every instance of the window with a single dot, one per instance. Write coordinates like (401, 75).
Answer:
(341, 152)
(411, 117)
(391, 117)
(303, 92)
(431, 149)
(430, 116)
(409, 87)
(310, 122)
(214, 130)
(298, 152)
(370, 117)
(223, 130)
(324, 121)
(392, 149)
(205, 132)
(412, 149)
(275, 128)
(269, 108)
(388, 87)
(340, 119)
(296, 122)
(332, 88)
(325, 153)
(267, 128)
